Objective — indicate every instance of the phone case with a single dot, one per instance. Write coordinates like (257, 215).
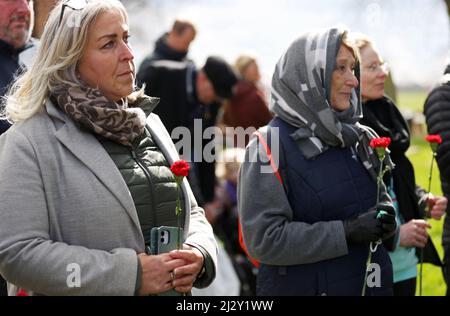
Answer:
(165, 239)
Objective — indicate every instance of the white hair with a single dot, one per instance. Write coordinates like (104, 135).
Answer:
(61, 48)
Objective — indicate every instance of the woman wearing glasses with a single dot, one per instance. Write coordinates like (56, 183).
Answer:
(84, 172)
(381, 114)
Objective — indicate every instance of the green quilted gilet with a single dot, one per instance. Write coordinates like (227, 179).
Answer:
(150, 181)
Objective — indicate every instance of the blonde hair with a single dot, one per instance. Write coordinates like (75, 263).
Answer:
(61, 48)
(242, 62)
(360, 40)
(350, 43)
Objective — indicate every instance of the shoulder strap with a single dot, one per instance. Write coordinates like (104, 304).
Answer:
(269, 155)
(276, 171)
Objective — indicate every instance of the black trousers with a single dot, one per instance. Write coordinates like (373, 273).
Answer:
(3, 291)
(405, 288)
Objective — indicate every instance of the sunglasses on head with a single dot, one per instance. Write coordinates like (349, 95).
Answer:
(72, 4)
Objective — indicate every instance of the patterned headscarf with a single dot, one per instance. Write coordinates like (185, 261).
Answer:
(301, 90)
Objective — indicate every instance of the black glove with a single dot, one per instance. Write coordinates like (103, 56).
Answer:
(368, 228)
(388, 222)
(363, 229)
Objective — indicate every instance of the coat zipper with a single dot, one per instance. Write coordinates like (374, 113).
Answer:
(150, 182)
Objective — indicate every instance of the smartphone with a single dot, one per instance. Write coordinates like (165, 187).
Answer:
(165, 239)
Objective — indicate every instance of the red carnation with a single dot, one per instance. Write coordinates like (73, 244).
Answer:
(22, 292)
(180, 168)
(434, 139)
(383, 142)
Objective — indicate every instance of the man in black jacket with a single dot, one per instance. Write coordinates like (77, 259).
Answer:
(14, 33)
(15, 19)
(437, 113)
(173, 45)
(186, 94)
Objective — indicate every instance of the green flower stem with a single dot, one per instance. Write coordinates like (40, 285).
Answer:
(372, 249)
(421, 249)
(178, 214)
(380, 179)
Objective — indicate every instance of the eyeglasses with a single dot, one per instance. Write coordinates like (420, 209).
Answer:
(375, 67)
(72, 4)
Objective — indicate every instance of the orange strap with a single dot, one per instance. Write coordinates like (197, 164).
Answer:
(277, 174)
(269, 155)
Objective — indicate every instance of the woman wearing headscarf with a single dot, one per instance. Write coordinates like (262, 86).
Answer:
(85, 170)
(381, 114)
(311, 220)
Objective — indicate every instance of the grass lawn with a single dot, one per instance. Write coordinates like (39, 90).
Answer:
(420, 155)
(412, 100)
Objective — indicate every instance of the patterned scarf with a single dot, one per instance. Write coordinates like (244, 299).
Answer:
(94, 111)
(301, 88)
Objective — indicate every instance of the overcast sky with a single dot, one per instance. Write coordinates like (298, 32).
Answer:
(412, 35)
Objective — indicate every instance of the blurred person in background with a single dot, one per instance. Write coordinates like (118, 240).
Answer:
(15, 28)
(187, 93)
(41, 10)
(437, 113)
(248, 107)
(381, 114)
(173, 45)
(223, 215)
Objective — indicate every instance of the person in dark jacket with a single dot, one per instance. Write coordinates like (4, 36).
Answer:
(14, 33)
(312, 221)
(248, 107)
(437, 113)
(187, 94)
(94, 175)
(173, 45)
(381, 114)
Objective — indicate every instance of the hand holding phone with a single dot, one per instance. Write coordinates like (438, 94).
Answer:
(164, 239)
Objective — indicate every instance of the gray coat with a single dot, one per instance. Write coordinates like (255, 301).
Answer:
(64, 202)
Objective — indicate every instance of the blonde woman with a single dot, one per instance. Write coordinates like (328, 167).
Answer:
(381, 114)
(84, 171)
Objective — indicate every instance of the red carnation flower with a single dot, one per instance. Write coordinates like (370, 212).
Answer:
(383, 142)
(434, 139)
(180, 168)
(22, 292)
